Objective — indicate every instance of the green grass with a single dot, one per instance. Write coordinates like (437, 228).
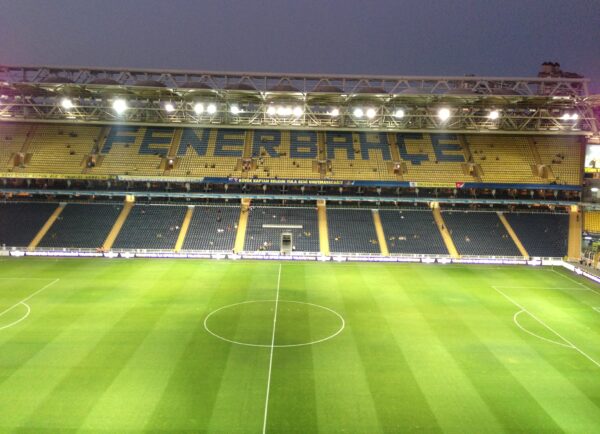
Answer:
(120, 346)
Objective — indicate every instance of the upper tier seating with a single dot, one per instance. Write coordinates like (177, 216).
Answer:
(564, 157)
(351, 231)
(151, 227)
(60, 149)
(81, 226)
(258, 237)
(541, 234)
(479, 233)
(412, 232)
(212, 228)
(591, 220)
(503, 159)
(20, 222)
(12, 138)
(270, 154)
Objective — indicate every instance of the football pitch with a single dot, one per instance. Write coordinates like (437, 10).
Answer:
(186, 346)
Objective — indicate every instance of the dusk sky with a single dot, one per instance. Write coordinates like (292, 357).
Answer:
(418, 37)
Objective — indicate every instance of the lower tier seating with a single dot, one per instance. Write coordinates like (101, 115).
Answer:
(541, 234)
(20, 222)
(151, 227)
(279, 220)
(82, 226)
(479, 233)
(412, 232)
(352, 231)
(212, 228)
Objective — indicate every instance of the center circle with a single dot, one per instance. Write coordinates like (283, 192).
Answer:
(250, 323)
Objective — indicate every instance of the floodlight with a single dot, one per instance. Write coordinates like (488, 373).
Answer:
(271, 110)
(594, 189)
(284, 111)
(443, 114)
(119, 105)
(574, 116)
(358, 112)
(211, 109)
(334, 112)
(169, 107)
(298, 111)
(566, 117)
(234, 109)
(66, 103)
(399, 114)
(371, 113)
(494, 114)
(198, 108)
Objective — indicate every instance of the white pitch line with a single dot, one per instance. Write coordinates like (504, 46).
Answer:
(547, 326)
(519, 312)
(575, 281)
(271, 356)
(30, 296)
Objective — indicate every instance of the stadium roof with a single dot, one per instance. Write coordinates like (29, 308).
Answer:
(315, 101)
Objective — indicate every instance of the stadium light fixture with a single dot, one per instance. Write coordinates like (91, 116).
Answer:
(570, 117)
(334, 112)
(594, 189)
(120, 106)
(211, 109)
(67, 104)
(271, 110)
(198, 108)
(358, 112)
(443, 114)
(298, 111)
(371, 113)
(169, 107)
(399, 114)
(234, 109)
(494, 114)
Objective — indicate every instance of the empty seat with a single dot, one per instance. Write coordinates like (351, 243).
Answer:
(82, 226)
(541, 234)
(151, 227)
(412, 232)
(212, 228)
(479, 233)
(351, 231)
(266, 224)
(20, 222)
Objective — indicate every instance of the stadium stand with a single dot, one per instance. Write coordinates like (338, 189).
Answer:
(351, 231)
(479, 233)
(20, 222)
(541, 234)
(563, 155)
(591, 222)
(212, 228)
(412, 232)
(494, 154)
(259, 237)
(151, 227)
(81, 226)
(60, 149)
(269, 154)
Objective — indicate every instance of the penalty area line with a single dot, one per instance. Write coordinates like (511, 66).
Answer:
(29, 296)
(571, 344)
(264, 430)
